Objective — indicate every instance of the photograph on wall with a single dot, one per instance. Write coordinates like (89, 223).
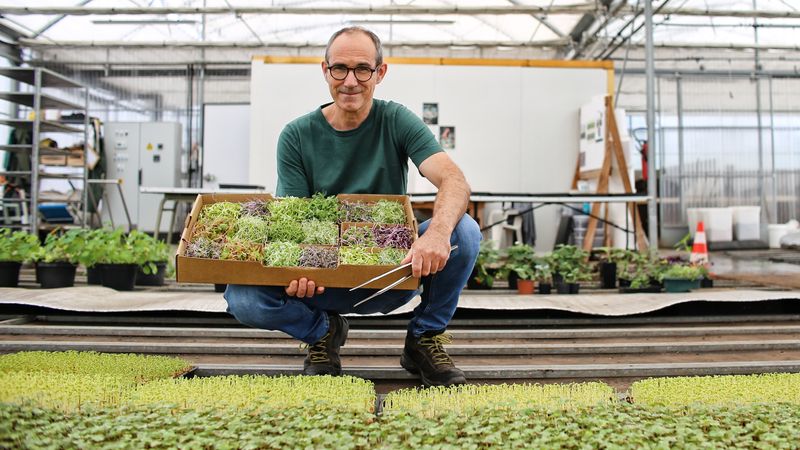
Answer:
(447, 137)
(430, 113)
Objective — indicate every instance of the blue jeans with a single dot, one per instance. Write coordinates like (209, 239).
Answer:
(306, 319)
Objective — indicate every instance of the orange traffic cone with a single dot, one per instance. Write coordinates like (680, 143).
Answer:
(699, 248)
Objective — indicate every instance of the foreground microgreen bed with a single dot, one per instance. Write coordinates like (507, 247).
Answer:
(64, 391)
(468, 399)
(617, 426)
(719, 390)
(259, 392)
(138, 368)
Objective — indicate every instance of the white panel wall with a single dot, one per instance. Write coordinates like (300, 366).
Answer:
(516, 127)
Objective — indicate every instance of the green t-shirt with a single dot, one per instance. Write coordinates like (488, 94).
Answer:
(371, 159)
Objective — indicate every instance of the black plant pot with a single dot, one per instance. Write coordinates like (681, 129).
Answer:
(652, 289)
(624, 282)
(121, 277)
(562, 288)
(574, 288)
(9, 273)
(608, 275)
(706, 283)
(94, 274)
(220, 287)
(512, 280)
(56, 274)
(545, 288)
(152, 279)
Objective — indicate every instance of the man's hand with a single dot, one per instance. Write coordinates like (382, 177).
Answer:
(429, 254)
(303, 288)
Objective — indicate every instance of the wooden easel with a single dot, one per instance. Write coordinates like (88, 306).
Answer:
(613, 145)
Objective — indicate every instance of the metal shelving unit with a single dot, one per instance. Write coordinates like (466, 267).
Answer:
(37, 101)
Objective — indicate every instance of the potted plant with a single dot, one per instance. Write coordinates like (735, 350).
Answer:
(642, 274)
(572, 279)
(154, 256)
(568, 259)
(93, 254)
(480, 278)
(610, 259)
(120, 261)
(682, 277)
(544, 275)
(518, 257)
(15, 248)
(58, 258)
(524, 273)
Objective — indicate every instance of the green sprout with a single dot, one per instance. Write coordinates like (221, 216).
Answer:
(359, 256)
(319, 232)
(282, 254)
(387, 211)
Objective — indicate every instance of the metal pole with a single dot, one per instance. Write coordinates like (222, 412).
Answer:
(37, 120)
(774, 213)
(761, 199)
(652, 215)
(86, 135)
(679, 93)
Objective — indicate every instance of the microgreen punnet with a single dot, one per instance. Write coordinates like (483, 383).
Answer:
(324, 208)
(285, 231)
(293, 209)
(203, 247)
(256, 208)
(319, 232)
(282, 254)
(397, 236)
(359, 236)
(357, 256)
(355, 212)
(387, 211)
(252, 229)
(391, 256)
(241, 250)
(321, 257)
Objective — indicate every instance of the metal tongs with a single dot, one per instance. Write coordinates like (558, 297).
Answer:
(401, 267)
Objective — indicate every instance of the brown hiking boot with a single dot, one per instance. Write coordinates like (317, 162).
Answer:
(426, 356)
(323, 355)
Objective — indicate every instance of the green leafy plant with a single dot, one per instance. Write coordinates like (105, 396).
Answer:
(570, 262)
(519, 260)
(242, 250)
(683, 272)
(139, 368)
(729, 390)
(387, 211)
(488, 255)
(150, 251)
(61, 247)
(228, 211)
(543, 271)
(17, 246)
(359, 236)
(355, 212)
(685, 244)
(391, 256)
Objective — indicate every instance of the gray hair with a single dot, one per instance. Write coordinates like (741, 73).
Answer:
(354, 29)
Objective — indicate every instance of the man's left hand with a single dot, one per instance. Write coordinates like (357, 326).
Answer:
(428, 254)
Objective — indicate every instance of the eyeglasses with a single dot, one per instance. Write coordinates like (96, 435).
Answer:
(339, 72)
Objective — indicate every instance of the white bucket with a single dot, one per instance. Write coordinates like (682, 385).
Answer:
(718, 224)
(746, 222)
(776, 232)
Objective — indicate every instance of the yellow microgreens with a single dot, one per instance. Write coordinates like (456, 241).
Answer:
(64, 391)
(259, 392)
(136, 367)
(469, 398)
(718, 390)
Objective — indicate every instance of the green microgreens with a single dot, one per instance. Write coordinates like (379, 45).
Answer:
(391, 256)
(138, 367)
(360, 256)
(293, 209)
(319, 232)
(324, 208)
(252, 229)
(212, 212)
(359, 236)
(282, 254)
(387, 211)
(467, 399)
(259, 392)
(718, 390)
(285, 231)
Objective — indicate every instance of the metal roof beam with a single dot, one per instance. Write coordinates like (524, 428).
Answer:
(578, 8)
(238, 44)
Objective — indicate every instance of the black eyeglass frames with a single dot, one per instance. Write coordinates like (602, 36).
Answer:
(362, 73)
